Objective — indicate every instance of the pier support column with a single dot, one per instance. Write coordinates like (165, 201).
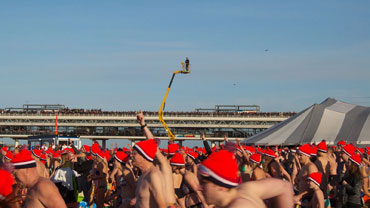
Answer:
(104, 142)
(16, 143)
(180, 143)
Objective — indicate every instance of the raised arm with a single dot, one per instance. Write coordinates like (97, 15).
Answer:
(193, 183)
(166, 170)
(206, 145)
(141, 120)
(278, 189)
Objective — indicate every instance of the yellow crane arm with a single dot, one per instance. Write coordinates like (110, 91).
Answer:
(160, 112)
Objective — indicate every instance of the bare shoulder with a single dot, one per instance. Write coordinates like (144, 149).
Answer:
(247, 187)
(243, 203)
(45, 186)
(155, 173)
(45, 182)
(312, 168)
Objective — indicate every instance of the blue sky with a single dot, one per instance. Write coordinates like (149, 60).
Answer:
(119, 55)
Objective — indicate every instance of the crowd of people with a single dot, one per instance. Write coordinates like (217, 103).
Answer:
(228, 175)
(99, 112)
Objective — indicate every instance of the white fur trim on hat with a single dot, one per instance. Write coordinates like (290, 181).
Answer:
(207, 172)
(313, 180)
(142, 151)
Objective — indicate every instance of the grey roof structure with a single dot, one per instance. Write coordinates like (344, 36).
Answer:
(332, 120)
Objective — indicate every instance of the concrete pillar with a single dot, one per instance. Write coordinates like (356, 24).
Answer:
(16, 143)
(104, 143)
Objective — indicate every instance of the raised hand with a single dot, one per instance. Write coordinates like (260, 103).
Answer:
(140, 118)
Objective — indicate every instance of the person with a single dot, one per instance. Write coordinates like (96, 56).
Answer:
(41, 191)
(304, 192)
(83, 167)
(161, 162)
(219, 182)
(323, 165)
(65, 180)
(346, 151)
(99, 174)
(314, 183)
(192, 161)
(125, 180)
(186, 184)
(41, 169)
(255, 163)
(270, 165)
(150, 190)
(352, 182)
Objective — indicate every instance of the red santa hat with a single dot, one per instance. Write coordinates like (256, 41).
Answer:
(56, 154)
(367, 149)
(36, 153)
(9, 155)
(349, 149)
(214, 148)
(255, 158)
(5, 148)
(356, 159)
(147, 149)
(305, 150)
(360, 150)
(172, 148)
(315, 177)
(177, 160)
(101, 155)
(193, 155)
(221, 168)
(270, 153)
(121, 157)
(322, 147)
(250, 150)
(6, 184)
(85, 148)
(23, 160)
(95, 149)
(107, 155)
(314, 151)
(294, 150)
(342, 143)
(43, 158)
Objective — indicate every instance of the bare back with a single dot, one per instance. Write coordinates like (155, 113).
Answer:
(44, 194)
(323, 165)
(258, 174)
(303, 176)
(150, 190)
